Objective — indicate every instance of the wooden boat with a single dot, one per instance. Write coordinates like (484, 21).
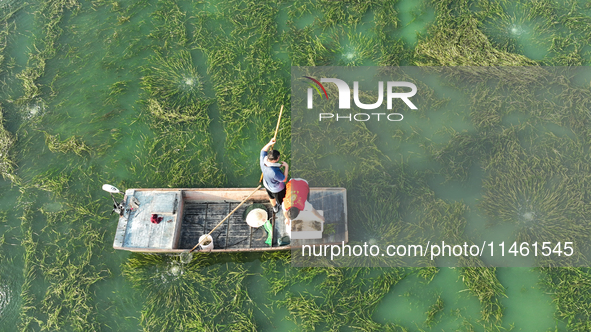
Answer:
(189, 213)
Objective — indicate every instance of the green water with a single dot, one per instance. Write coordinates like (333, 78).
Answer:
(58, 270)
(414, 18)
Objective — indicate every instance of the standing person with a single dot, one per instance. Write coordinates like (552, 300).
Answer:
(273, 178)
(296, 200)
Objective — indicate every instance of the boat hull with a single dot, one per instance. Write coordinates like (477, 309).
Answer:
(189, 213)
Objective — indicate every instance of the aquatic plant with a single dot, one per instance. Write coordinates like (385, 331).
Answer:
(508, 23)
(196, 294)
(484, 284)
(29, 272)
(458, 41)
(115, 90)
(193, 114)
(176, 146)
(65, 298)
(347, 297)
(173, 80)
(434, 309)
(316, 144)
(164, 277)
(428, 273)
(53, 180)
(171, 30)
(570, 289)
(541, 198)
(51, 13)
(439, 220)
(392, 50)
(337, 298)
(249, 88)
(7, 164)
(356, 50)
(462, 151)
(488, 108)
(376, 218)
(305, 311)
(6, 29)
(343, 13)
(7, 3)
(179, 158)
(305, 49)
(72, 144)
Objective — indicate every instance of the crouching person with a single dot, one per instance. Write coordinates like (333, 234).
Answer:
(296, 200)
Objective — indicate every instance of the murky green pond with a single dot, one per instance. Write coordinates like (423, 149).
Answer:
(185, 93)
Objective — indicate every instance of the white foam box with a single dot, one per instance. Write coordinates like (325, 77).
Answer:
(307, 226)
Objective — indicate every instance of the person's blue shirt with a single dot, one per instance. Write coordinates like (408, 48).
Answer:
(273, 178)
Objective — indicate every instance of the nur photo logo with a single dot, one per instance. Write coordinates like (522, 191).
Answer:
(344, 98)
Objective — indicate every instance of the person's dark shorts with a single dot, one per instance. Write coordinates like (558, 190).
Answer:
(277, 196)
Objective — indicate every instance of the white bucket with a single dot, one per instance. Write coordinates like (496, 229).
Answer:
(207, 247)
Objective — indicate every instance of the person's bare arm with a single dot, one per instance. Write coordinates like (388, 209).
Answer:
(285, 171)
(318, 214)
(287, 221)
(271, 142)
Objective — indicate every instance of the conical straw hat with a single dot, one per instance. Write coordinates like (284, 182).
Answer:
(256, 218)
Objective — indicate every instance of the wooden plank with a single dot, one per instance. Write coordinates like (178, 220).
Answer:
(161, 235)
(193, 225)
(238, 231)
(258, 237)
(165, 203)
(178, 222)
(225, 194)
(280, 230)
(141, 233)
(192, 208)
(215, 214)
(119, 241)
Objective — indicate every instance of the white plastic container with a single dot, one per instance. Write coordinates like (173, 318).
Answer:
(207, 247)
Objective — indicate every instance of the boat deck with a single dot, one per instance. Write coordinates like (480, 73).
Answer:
(135, 231)
(200, 218)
